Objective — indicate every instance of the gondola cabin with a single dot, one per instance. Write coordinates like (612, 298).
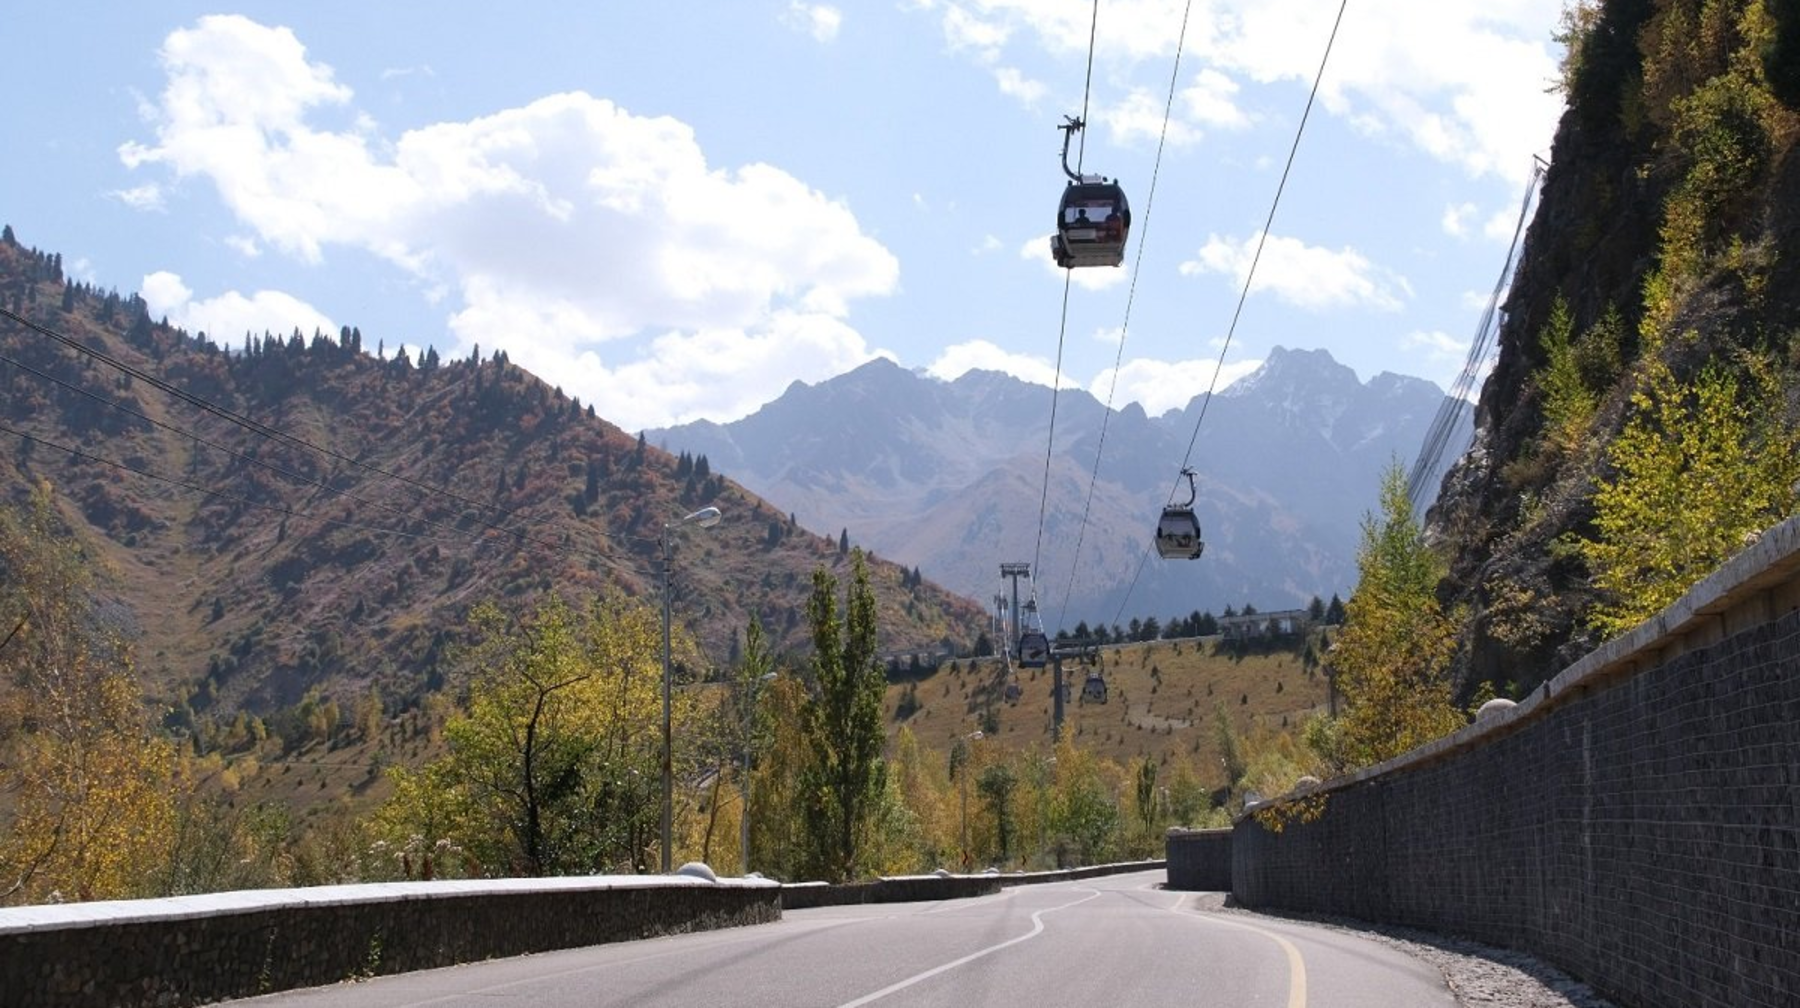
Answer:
(1178, 534)
(1091, 224)
(1034, 650)
(1094, 689)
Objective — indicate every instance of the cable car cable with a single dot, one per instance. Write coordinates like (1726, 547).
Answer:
(1249, 278)
(1125, 326)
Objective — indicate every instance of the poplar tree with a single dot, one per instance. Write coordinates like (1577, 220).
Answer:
(844, 776)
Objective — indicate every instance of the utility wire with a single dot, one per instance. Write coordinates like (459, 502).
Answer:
(1249, 278)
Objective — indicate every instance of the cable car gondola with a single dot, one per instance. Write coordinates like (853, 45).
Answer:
(1094, 689)
(1034, 649)
(1178, 531)
(1094, 218)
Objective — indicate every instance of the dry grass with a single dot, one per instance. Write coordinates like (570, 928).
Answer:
(1162, 702)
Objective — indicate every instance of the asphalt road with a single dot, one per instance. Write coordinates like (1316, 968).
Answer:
(1116, 941)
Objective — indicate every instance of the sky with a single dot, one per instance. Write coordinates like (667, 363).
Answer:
(672, 211)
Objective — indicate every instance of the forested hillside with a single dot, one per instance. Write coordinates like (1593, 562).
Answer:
(298, 519)
(1641, 424)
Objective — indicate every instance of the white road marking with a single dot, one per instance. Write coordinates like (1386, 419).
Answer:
(1037, 928)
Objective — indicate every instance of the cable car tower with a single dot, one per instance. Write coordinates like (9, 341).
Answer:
(1094, 218)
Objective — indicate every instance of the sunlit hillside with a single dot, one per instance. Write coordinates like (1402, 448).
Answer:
(1163, 700)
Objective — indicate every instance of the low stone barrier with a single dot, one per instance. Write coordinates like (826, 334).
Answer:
(925, 888)
(195, 949)
(1199, 859)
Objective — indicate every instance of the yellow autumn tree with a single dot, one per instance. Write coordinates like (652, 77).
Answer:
(1698, 471)
(89, 788)
(554, 765)
(1391, 661)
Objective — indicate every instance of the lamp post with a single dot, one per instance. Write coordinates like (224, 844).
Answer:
(705, 518)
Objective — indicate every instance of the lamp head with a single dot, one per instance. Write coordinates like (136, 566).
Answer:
(706, 517)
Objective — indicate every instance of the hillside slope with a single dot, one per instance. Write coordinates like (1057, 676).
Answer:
(253, 570)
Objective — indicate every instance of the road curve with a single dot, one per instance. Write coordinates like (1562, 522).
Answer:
(1119, 940)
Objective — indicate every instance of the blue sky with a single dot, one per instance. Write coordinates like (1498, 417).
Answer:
(674, 210)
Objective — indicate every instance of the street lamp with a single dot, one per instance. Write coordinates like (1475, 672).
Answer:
(705, 518)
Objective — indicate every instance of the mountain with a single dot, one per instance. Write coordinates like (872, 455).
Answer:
(948, 477)
(1666, 242)
(300, 517)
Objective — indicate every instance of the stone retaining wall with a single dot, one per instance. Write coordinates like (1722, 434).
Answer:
(1199, 859)
(1637, 821)
(196, 949)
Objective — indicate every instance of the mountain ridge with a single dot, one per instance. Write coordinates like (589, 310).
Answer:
(926, 478)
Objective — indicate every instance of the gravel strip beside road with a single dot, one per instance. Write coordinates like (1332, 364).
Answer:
(1481, 976)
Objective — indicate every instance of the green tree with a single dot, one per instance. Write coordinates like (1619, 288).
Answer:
(1698, 471)
(845, 776)
(1392, 657)
(554, 765)
(996, 786)
(88, 791)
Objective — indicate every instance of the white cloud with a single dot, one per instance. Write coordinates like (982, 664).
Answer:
(1212, 101)
(1087, 277)
(980, 355)
(1159, 386)
(553, 227)
(1463, 82)
(1438, 345)
(1303, 275)
(1017, 85)
(1501, 226)
(144, 197)
(1456, 219)
(821, 21)
(226, 318)
(988, 244)
(966, 32)
(1140, 116)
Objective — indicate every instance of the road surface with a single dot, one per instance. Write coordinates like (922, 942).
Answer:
(1115, 941)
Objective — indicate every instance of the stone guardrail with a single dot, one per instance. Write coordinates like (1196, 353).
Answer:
(1635, 821)
(189, 950)
(941, 886)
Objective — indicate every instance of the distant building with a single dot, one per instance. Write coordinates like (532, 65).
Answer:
(1265, 625)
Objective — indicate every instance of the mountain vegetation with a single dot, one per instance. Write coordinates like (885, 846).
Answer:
(1640, 426)
(422, 590)
(296, 522)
